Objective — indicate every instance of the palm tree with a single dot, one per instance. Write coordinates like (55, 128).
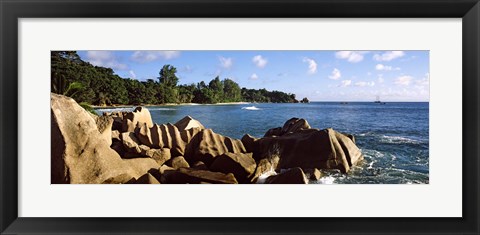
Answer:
(59, 86)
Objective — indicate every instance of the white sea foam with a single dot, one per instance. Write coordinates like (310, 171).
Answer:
(251, 108)
(110, 110)
(326, 180)
(370, 165)
(370, 153)
(261, 179)
(189, 104)
(130, 109)
(398, 140)
(161, 109)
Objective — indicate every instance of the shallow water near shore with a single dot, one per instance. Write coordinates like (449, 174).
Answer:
(393, 137)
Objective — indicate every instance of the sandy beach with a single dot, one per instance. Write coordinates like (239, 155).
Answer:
(167, 104)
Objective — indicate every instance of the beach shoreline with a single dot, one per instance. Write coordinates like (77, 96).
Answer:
(167, 104)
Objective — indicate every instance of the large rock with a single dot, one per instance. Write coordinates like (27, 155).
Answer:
(116, 136)
(248, 142)
(277, 131)
(187, 123)
(130, 142)
(177, 162)
(188, 134)
(159, 155)
(120, 179)
(242, 165)
(290, 176)
(119, 148)
(351, 151)
(265, 167)
(292, 125)
(80, 154)
(313, 174)
(135, 149)
(164, 169)
(141, 166)
(139, 116)
(194, 176)
(199, 166)
(146, 179)
(104, 126)
(117, 120)
(207, 145)
(165, 136)
(310, 148)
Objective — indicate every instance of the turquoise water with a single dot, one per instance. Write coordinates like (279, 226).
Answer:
(394, 137)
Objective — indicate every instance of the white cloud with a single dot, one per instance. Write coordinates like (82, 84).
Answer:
(336, 74)
(105, 59)
(350, 56)
(388, 56)
(217, 72)
(382, 67)
(225, 62)
(132, 74)
(254, 76)
(403, 80)
(346, 83)
(149, 56)
(186, 69)
(425, 81)
(364, 84)
(380, 78)
(259, 61)
(409, 58)
(312, 65)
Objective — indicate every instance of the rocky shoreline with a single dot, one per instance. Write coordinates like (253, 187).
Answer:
(127, 147)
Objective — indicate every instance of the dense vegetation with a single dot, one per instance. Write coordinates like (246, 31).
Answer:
(100, 86)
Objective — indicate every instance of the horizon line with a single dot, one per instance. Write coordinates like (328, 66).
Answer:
(370, 101)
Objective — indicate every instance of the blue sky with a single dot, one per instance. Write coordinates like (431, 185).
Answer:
(318, 75)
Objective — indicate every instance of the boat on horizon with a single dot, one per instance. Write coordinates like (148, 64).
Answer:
(378, 101)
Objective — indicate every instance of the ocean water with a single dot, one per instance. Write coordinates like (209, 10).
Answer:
(394, 137)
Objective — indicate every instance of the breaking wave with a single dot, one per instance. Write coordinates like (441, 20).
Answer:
(162, 109)
(110, 110)
(398, 140)
(326, 180)
(251, 108)
(261, 179)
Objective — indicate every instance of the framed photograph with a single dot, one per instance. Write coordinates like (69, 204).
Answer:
(254, 117)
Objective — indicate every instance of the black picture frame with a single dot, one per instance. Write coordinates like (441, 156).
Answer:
(11, 11)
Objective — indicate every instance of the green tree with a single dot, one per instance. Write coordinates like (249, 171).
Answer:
(186, 93)
(216, 86)
(168, 76)
(149, 96)
(231, 91)
(136, 91)
(87, 83)
(117, 93)
(167, 94)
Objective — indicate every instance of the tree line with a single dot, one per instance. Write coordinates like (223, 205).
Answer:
(97, 85)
